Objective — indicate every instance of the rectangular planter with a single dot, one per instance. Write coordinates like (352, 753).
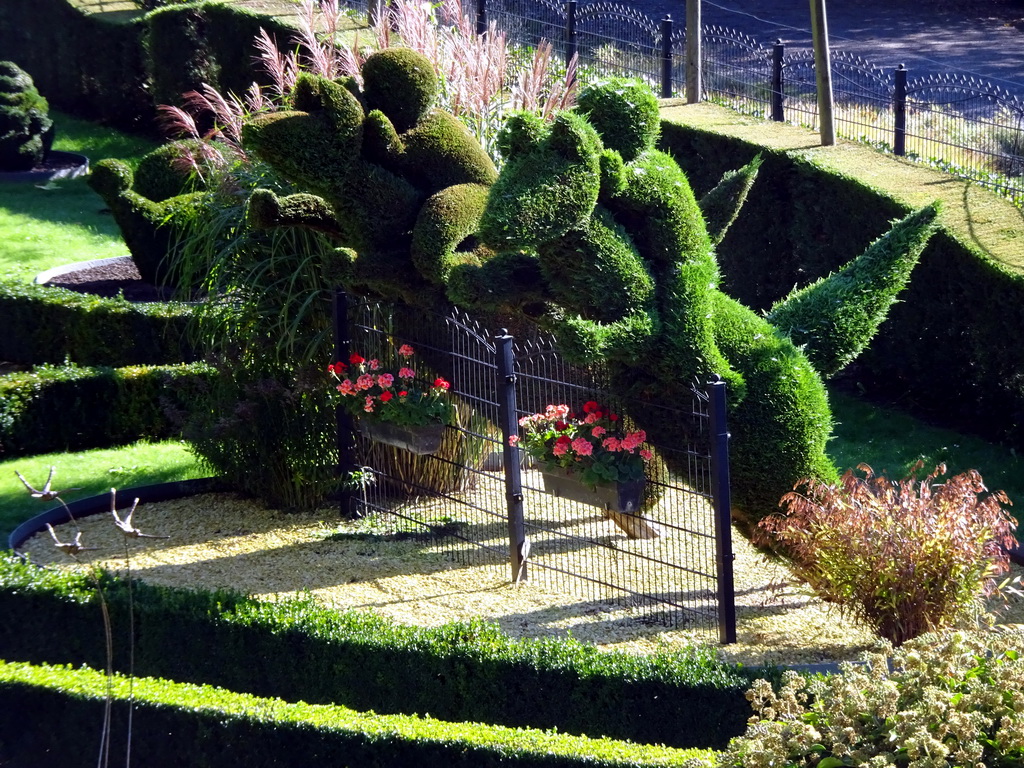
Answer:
(420, 439)
(620, 502)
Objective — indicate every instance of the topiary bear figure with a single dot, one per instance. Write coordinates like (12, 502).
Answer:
(590, 219)
(590, 230)
(26, 131)
(149, 203)
(389, 176)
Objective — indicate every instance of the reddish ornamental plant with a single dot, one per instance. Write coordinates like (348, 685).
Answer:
(906, 557)
(593, 446)
(395, 394)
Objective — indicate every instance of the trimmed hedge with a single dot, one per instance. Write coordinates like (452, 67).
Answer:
(50, 325)
(946, 351)
(176, 724)
(295, 649)
(68, 408)
(146, 59)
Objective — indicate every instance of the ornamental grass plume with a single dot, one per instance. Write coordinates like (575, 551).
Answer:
(905, 557)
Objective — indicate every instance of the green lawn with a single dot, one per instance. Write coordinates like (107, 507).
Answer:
(63, 222)
(89, 473)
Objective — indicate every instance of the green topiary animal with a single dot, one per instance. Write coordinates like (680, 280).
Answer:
(151, 203)
(589, 230)
(26, 131)
(391, 177)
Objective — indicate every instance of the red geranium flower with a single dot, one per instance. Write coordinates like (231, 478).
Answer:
(356, 359)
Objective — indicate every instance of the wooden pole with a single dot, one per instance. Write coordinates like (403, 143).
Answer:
(823, 72)
(693, 64)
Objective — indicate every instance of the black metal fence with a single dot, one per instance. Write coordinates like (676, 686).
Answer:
(967, 126)
(488, 508)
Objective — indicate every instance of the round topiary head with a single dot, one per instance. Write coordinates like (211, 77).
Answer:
(26, 131)
(625, 114)
(401, 83)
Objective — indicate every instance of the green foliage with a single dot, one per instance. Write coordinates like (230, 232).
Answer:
(899, 556)
(177, 724)
(89, 65)
(167, 171)
(53, 408)
(944, 343)
(722, 204)
(625, 115)
(469, 672)
(943, 700)
(402, 84)
(836, 317)
(148, 227)
(26, 130)
(51, 325)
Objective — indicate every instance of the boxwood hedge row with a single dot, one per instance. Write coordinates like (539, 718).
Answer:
(295, 649)
(69, 408)
(946, 351)
(43, 324)
(176, 724)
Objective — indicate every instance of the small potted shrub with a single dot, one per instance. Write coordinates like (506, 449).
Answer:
(26, 131)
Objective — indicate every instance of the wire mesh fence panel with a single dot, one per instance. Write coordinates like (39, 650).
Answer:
(659, 567)
(736, 70)
(862, 99)
(454, 493)
(655, 562)
(970, 127)
(614, 40)
(527, 22)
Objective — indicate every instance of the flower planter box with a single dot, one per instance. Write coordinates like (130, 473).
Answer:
(620, 502)
(421, 440)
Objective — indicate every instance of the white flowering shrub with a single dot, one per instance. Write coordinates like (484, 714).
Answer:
(949, 700)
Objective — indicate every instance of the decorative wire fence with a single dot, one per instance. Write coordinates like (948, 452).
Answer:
(487, 507)
(966, 126)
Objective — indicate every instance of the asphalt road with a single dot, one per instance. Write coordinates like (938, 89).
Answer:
(979, 38)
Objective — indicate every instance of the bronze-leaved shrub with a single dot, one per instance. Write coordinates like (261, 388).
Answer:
(906, 557)
(940, 701)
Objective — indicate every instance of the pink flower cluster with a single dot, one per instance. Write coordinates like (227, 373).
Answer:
(559, 437)
(365, 379)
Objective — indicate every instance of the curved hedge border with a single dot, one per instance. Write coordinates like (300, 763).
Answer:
(43, 324)
(68, 408)
(295, 649)
(948, 350)
(175, 724)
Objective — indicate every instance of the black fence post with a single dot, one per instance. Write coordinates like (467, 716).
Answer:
(778, 51)
(666, 57)
(899, 109)
(344, 434)
(570, 31)
(481, 17)
(518, 549)
(723, 507)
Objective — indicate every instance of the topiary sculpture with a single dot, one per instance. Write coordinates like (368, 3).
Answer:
(26, 131)
(403, 178)
(589, 230)
(148, 203)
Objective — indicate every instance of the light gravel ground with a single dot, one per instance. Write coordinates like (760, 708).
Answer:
(220, 541)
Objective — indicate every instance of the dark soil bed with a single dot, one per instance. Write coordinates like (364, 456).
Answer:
(116, 276)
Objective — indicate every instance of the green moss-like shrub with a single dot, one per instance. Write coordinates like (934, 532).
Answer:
(176, 724)
(26, 131)
(461, 672)
(51, 325)
(67, 408)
